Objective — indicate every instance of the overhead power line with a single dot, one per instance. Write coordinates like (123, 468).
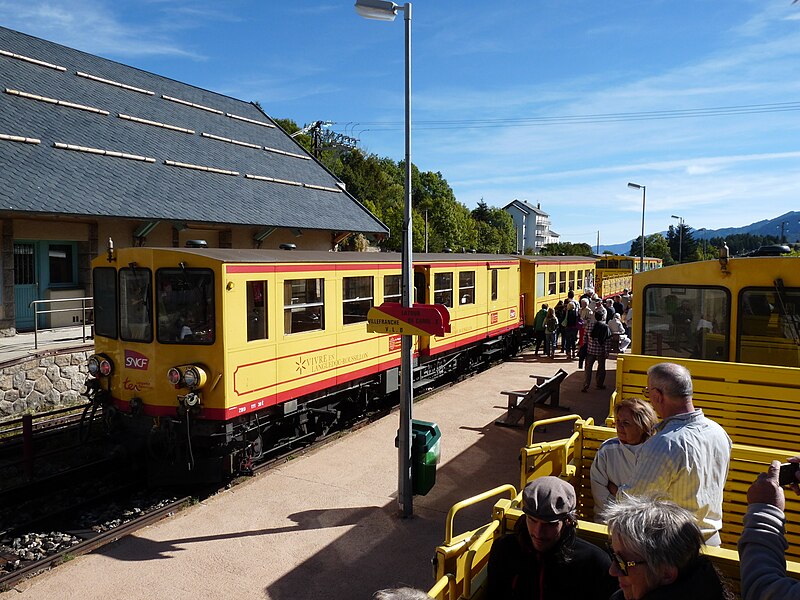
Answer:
(656, 115)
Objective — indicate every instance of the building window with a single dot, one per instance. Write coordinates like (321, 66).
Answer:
(24, 264)
(357, 299)
(443, 289)
(257, 311)
(466, 287)
(494, 284)
(61, 259)
(391, 288)
(303, 305)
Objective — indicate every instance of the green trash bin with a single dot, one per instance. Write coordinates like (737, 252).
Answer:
(425, 454)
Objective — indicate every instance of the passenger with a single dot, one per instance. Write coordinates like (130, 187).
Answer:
(762, 544)
(551, 333)
(625, 299)
(615, 459)
(585, 318)
(544, 559)
(629, 320)
(655, 553)
(570, 335)
(617, 328)
(561, 312)
(687, 457)
(538, 328)
(598, 348)
(404, 593)
(619, 307)
(609, 306)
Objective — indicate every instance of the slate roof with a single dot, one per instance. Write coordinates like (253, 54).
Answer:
(526, 207)
(132, 179)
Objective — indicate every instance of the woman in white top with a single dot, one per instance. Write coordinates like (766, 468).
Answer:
(613, 464)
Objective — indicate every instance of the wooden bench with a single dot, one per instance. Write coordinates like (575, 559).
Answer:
(757, 405)
(521, 403)
(460, 562)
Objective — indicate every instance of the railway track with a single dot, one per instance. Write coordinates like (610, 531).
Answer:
(92, 540)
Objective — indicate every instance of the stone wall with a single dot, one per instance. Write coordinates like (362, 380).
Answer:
(42, 383)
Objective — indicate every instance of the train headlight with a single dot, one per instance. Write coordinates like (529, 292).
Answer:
(194, 377)
(99, 365)
(174, 376)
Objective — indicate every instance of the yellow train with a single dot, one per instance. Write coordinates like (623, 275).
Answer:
(739, 310)
(210, 357)
(615, 272)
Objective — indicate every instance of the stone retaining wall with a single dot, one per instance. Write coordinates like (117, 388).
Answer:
(42, 383)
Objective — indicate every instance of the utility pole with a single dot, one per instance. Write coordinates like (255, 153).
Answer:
(597, 248)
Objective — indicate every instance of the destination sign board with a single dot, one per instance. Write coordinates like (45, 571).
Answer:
(420, 319)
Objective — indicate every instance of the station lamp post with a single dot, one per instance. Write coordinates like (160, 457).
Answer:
(383, 10)
(680, 238)
(636, 186)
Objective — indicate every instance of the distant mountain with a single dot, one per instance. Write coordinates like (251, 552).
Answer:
(765, 227)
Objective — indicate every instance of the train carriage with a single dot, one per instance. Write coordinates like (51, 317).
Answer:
(211, 356)
(739, 310)
(615, 272)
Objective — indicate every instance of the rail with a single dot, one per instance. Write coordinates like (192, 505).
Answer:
(36, 312)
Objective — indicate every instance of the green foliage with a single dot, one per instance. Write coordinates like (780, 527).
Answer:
(567, 249)
(741, 243)
(655, 246)
(379, 183)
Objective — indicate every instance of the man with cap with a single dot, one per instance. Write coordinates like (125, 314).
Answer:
(544, 559)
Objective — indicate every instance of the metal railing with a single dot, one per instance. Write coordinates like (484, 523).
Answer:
(37, 311)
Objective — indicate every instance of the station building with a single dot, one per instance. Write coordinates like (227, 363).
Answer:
(91, 149)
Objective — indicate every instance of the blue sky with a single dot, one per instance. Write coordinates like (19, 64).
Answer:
(561, 103)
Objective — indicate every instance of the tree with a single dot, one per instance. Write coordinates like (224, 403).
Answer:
(682, 245)
(566, 249)
(655, 246)
(495, 229)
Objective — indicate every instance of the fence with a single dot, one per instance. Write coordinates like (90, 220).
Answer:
(83, 310)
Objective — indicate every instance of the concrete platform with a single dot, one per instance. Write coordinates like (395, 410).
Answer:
(25, 344)
(326, 525)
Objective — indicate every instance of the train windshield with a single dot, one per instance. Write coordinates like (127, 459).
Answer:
(769, 326)
(135, 310)
(105, 302)
(185, 301)
(686, 322)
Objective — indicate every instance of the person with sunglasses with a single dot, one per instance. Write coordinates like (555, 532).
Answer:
(655, 552)
(544, 559)
(687, 457)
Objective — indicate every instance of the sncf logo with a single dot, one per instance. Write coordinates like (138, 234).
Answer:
(134, 360)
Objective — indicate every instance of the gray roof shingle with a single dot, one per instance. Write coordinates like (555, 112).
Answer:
(43, 178)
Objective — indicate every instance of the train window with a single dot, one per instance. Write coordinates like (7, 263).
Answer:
(357, 299)
(571, 280)
(391, 288)
(185, 306)
(303, 305)
(105, 301)
(551, 284)
(562, 282)
(443, 289)
(466, 287)
(257, 311)
(494, 284)
(769, 326)
(135, 306)
(540, 289)
(626, 264)
(686, 322)
(579, 280)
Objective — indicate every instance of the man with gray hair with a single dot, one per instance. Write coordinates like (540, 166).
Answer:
(655, 552)
(687, 457)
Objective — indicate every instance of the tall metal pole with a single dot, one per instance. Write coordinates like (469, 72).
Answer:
(405, 494)
(641, 260)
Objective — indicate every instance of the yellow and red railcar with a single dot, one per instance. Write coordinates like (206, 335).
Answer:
(218, 354)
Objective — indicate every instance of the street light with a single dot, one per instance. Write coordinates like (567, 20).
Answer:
(383, 10)
(704, 230)
(680, 238)
(636, 186)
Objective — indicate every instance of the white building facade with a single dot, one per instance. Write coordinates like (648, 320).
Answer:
(532, 226)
